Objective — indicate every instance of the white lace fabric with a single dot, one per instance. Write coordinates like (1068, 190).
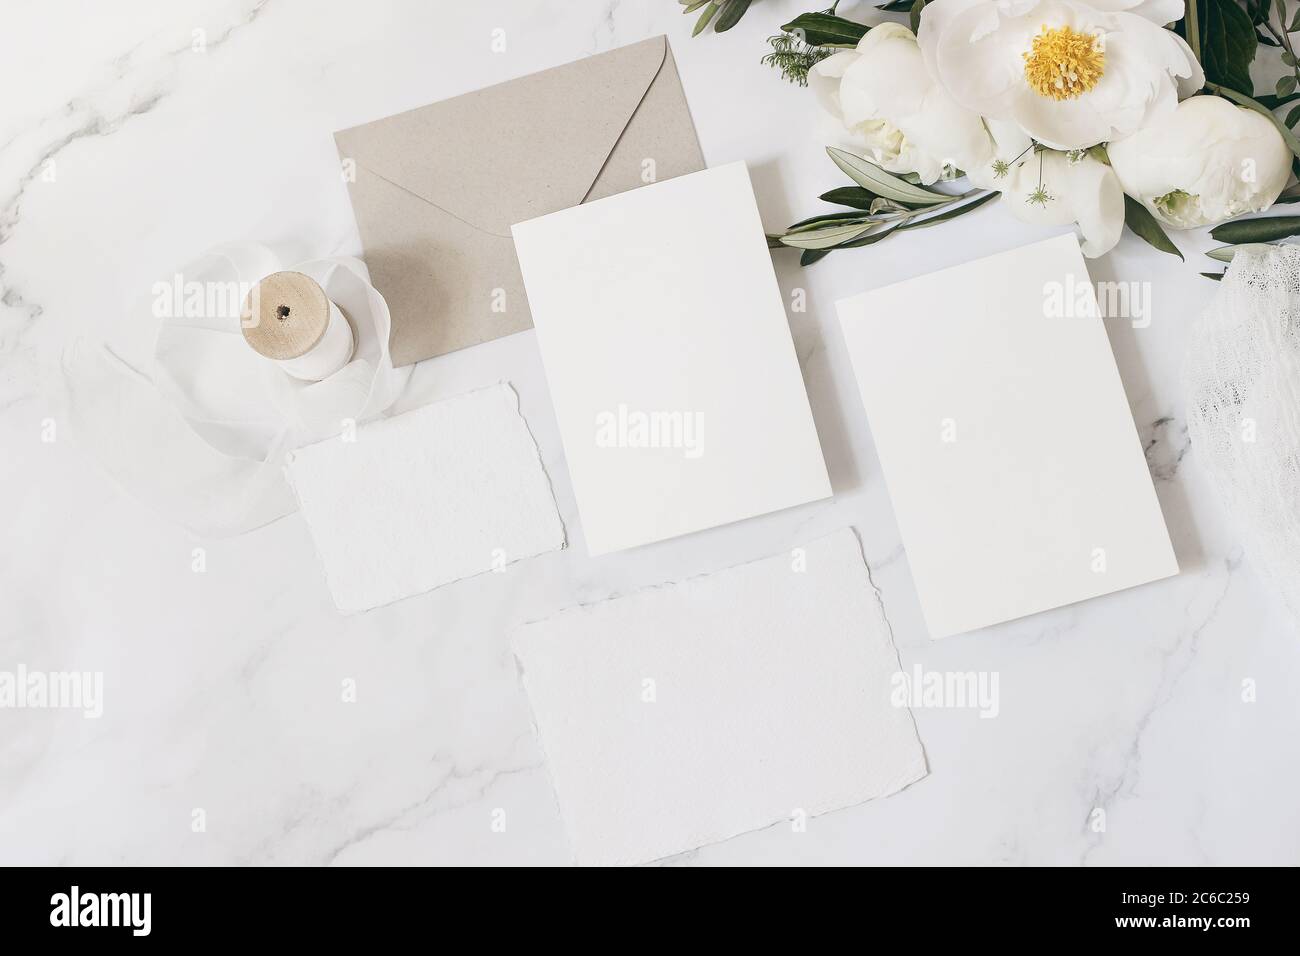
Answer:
(1242, 381)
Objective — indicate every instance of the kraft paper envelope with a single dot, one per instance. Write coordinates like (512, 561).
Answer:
(436, 189)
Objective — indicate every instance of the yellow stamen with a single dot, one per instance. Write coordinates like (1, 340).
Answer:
(1064, 64)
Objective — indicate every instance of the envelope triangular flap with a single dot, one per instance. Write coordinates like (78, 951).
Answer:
(517, 150)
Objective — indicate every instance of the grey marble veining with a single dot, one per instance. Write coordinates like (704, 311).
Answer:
(1168, 709)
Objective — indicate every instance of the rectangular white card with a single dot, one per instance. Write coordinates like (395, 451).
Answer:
(1005, 438)
(418, 500)
(668, 354)
(685, 714)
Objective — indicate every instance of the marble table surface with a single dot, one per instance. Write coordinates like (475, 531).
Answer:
(222, 688)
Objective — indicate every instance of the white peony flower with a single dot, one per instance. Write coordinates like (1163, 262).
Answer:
(1051, 188)
(1206, 162)
(891, 110)
(1157, 11)
(1071, 74)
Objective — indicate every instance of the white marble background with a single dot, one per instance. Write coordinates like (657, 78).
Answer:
(222, 689)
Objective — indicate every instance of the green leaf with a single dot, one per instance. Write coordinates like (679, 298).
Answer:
(1293, 115)
(732, 11)
(827, 236)
(854, 196)
(914, 15)
(869, 239)
(1256, 230)
(1289, 195)
(1223, 253)
(1295, 23)
(1216, 276)
(1269, 101)
(826, 29)
(1138, 218)
(692, 5)
(1288, 137)
(950, 213)
(702, 23)
(1228, 44)
(876, 180)
(1226, 253)
(809, 256)
(825, 220)
(1285, 85)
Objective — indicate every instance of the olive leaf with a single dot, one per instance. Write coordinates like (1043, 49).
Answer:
(703, 22)
(1139, 219)
(868, 239)
(828, 236)
(1289, 195)
(854, 196)
(732, 11)
(833, 218)
(1225, 253)
(949, 214)
(826, 29)
(875, 179)
(1256, 230)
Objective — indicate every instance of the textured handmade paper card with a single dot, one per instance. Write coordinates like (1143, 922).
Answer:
(1006, 441)
(685, 714)
(419, 500)
(676, 386)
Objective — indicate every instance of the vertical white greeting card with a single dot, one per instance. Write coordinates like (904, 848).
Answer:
(669, 359)
(687, 713)
(1006, 441)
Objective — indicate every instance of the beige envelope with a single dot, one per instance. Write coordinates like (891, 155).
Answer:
(436, 189)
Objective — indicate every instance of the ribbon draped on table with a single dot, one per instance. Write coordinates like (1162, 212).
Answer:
(201, 436)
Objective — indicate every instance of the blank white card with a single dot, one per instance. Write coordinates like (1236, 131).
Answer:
(687, 713)
(668, 354)
(1006, 441)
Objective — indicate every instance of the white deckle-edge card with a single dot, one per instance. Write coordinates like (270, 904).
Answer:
(670, 361)
(1016, 473)
(425, 498)
(688, 713)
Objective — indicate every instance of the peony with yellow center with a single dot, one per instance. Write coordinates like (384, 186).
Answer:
(1062, 64)
(1070, 73)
